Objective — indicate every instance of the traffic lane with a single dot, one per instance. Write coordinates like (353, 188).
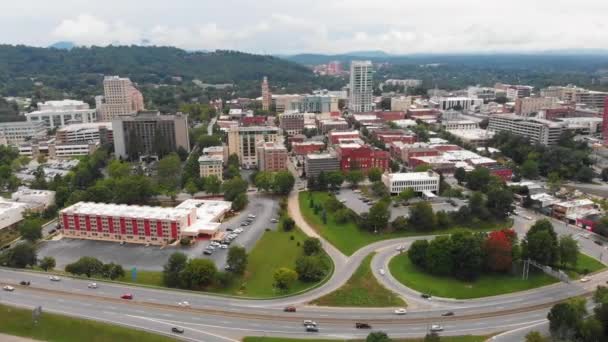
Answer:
(200, 323)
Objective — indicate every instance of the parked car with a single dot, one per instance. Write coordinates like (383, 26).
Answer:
(251, 216)
(274, 220)
(177, 330)
(24, 283)
(229, 229)
(597, 242)
(127, 296)
(436, 328)
(54, 278)
(92, 285)
(224, 246)
(359, 325)
(312, 328)
(290, 308)
(207, 252)
(585, 279)
(425, 296)
(448, 313)
(8, 288)
(184, 304)
(400, 311)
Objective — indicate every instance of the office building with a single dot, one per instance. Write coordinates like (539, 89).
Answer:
(211, 165)
(149, 133)
(605, 121)
(243, 141)
(94, 131)
(473, 136)
(307, 147)
(484, 93)
(11, 213)
(540, 131)
(456, 103)
(120, 98)
(361, 87)
(266, 95)
(142, 224)
(427, 181)
(527, 105)
(317, 162)
(292, 122)
(12, 133)
(514, 92)
(56, 150)
(334, 124)
(272, 156)
(316, 103)
(219, 151)
(407, 83)
(355, 156)
(61, 113)
(576, 95)
(401, 103)
(285, 102)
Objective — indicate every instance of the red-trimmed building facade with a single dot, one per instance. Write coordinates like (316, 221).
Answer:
(354, 156)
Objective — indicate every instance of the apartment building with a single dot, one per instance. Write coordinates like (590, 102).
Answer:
(427, 181)
(243, 142)
(537, 130)
(456, 103)
(61, 113)
(527, 105)
(211, 166)
(292, 122)
(149, 133)
(335, 124)
(361, 86)
(12, 133)
(120, 98)
(272, 156)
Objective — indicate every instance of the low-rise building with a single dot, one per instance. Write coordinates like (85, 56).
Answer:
(540, 131)
(317, 162)
(62, 113)
(334, 137)
(11, 213)
(475, 137)
(12, 133)
(211, 165)
(361, 157)
(218, 151)
(55, 150)
(37, 199)
(292, 122)
(570, 210)
(307, 147)
(427, 181)
(456, 103)
(94, 131)
(528, 105)
(337, 124)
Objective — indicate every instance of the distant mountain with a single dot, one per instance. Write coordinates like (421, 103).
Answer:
(63, 45)
(369, 54)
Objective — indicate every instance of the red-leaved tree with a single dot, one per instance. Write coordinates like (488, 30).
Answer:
(498, 250)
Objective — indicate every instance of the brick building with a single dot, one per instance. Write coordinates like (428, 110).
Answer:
(356, 156)
(272, 156)
(303, 148)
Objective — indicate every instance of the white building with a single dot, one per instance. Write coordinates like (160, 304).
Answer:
(464, 103)
(361, 86)
(61, 113)
(11, 213)
(12, 133)
(425, 182)
(540, 131)
(243, 141)
(37, 198)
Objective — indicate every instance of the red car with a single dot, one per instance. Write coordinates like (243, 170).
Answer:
(127, 296)
(290, 309)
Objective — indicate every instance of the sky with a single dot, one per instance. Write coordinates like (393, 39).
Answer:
(312, 26)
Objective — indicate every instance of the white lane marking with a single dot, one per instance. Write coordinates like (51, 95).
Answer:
(202, 332)
(539, 322)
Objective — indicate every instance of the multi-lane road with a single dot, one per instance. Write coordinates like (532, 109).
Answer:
(216, 318)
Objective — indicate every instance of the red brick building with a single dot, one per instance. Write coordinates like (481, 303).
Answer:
(355, 156)
(389, 136)
(390, 116)
(335, 136)
(253, 121)
(501, 172)
(303, 148)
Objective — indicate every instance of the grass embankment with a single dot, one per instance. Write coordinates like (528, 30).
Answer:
(467, 338)
(448, 287)
(274, 250)
(53, 327)
(361, 290)
(8, 235)
(348, 237)
(585, 264)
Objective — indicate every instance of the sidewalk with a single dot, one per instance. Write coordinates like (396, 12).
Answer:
(10, 338)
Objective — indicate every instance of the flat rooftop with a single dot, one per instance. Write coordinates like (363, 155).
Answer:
(127, 211)
(412, 176)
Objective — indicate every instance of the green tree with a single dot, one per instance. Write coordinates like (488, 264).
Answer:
(240, 202)
(172, 269)
(283, 182)
(263, 180)
(380, 190)
(379, 214)
(113, 271)
(191, 187)
(564, 320)
(500, 202)
(432, 337)
(554, 181)
(312, 246)
(439, 258)
(585, 174)
(417, 253)
(118, 169)
(541, 244)
(284, 278)
(288, 224)
(354, 177)
(311, 268)
(460, 175)
(233, 187)
(377, 336)
(591, 330)
(604, 174)
(237, 259)
(20, 256)
(535, 336)
(422, 217)
(47, 263)
(374, 174)
(213, 185)
(399, 223)
(478, 206)
(31, 229)
(478, 179)
(467, 256)
(406, 195)
(169, 170)
(86, 265)
(529, 169)
(198, 273)
(335, 179)
(568, 250)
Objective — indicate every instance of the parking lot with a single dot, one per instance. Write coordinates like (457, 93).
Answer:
(153, 258)
(353, 200)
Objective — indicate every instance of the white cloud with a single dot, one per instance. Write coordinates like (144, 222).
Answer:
(89, 30)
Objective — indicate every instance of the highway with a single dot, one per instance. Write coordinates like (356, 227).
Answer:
(216, 318)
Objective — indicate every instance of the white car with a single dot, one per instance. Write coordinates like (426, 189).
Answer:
(184, 304)
(251, 216)
(214, 243)
(224, 246)
(92, 285)
(585, 279)
(436, 327)
(310, 322)
(274, 220)
(238, 230)
(400, 311)
(54, 278)
(8, 288)
(381, 271)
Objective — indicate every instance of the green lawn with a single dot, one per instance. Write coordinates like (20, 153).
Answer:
(585, 264)
(8, 235)
(361, 290)
(486, 285)
(467, 338)
(52, 327)
(154, 278)
(348, 238)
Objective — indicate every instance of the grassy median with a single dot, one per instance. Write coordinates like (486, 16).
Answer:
(348, 237)
(53, 327)
(467, 338)
(361, 290)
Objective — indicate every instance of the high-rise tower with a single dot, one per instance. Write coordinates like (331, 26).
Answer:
(361, 86)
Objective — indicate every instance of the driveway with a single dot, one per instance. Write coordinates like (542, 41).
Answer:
(153, 258)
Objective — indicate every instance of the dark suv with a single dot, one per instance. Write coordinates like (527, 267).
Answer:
(362, 326)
